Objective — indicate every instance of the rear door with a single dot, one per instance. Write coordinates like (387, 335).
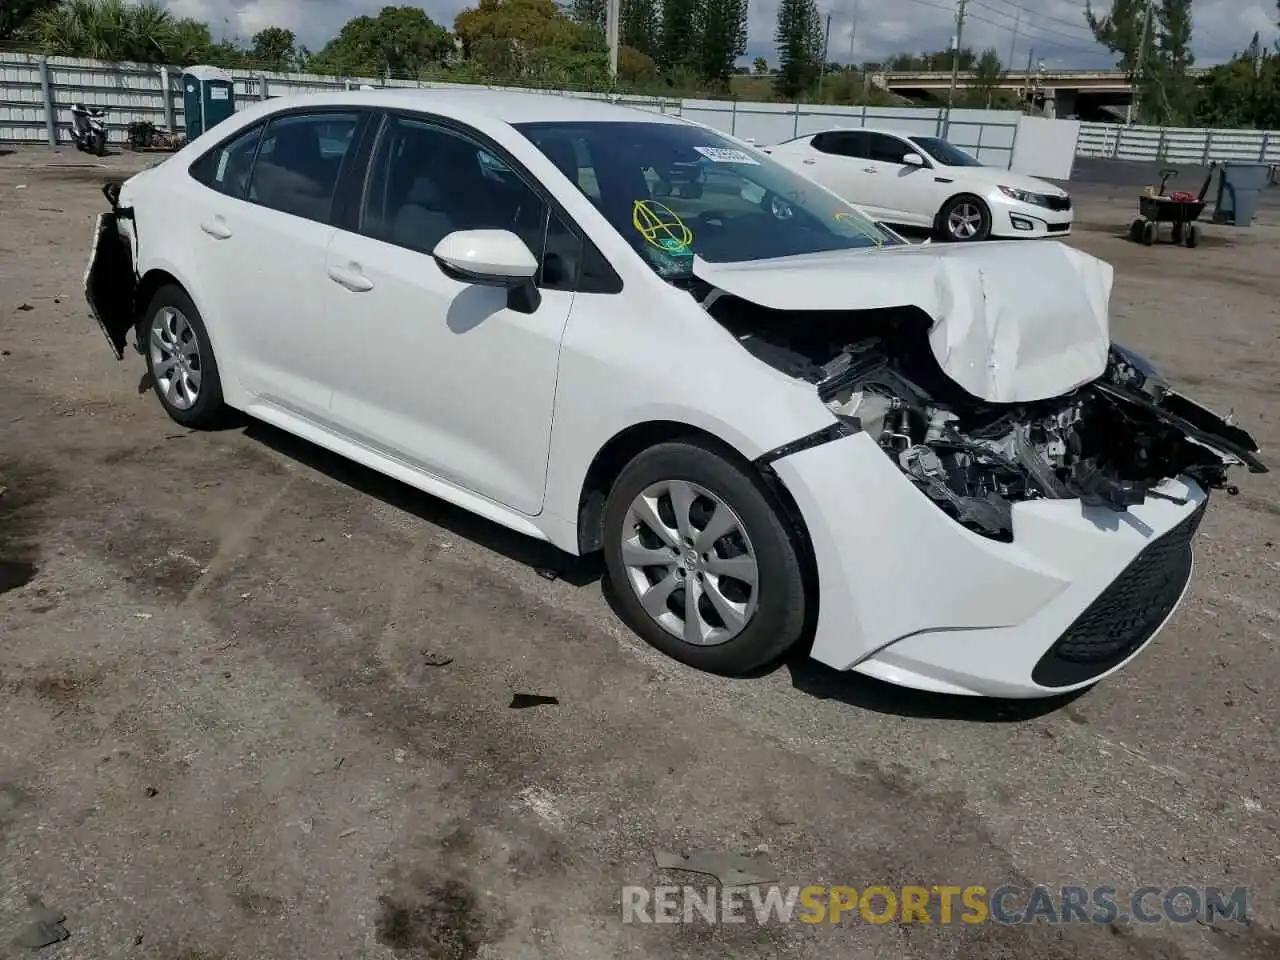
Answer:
(840, 165)
(278, 235)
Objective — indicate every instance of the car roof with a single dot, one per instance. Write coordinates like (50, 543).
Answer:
(506, 106)
(886, 130)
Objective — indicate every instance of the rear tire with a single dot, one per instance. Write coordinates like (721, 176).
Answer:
(1192, 237)
(1149, 233)
(184, 372)
(730, 604)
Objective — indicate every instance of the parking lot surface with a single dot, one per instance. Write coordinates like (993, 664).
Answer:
(256, 702)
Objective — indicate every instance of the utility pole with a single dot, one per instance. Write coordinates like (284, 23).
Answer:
(1141, 65)
(955, 65)
(1013, 44)
(826, 42)
(1029, 93)
(853, 30)
(612, 28)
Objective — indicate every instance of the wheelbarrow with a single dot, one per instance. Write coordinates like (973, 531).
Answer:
(1179, 210)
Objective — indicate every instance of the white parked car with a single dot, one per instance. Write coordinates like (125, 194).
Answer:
(916, 181)
(618, 331)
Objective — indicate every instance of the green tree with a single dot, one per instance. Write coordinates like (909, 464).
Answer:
(533, 41)
(113, 30)
(1243, 92)
(1175, 88)
(590, 13)
(760, 65)
(680, 41)
(722, 38)
(274, 48)
(987, 74)
(799, 41)
(399, 41)
(640, 28)
(16, 15)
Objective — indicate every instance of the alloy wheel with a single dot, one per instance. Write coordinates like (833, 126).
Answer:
(690, 562)
(175, 358)
(964, 221)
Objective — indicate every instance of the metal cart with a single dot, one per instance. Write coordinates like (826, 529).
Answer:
(1180, 212)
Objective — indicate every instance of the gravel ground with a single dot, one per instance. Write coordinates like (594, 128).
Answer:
(228, 732)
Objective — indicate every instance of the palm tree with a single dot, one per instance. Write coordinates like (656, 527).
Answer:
(110, 30)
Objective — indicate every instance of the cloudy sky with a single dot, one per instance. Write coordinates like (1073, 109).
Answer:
(1055, 30)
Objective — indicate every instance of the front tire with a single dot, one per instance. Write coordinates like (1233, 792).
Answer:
(964, 219)
(184, 372)
(700, 562)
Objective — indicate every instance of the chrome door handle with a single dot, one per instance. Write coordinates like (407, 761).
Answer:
(353, 280)
(870, 170)
(810, 162)
(216, 228)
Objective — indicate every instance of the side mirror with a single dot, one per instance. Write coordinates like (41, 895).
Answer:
(491, 258)
(913, 160)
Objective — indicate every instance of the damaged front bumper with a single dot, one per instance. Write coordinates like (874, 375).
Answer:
(909, 596)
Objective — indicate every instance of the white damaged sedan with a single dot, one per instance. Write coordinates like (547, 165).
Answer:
(619, 331)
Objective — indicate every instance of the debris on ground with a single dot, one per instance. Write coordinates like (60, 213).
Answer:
(436, 660)
(731, 869)
(522, 701)
(45, 929)
(26, 307)
(547, 573)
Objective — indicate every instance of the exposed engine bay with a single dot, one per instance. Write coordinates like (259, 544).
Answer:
(1111, 442)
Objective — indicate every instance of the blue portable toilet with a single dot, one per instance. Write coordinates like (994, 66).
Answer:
(208, 98)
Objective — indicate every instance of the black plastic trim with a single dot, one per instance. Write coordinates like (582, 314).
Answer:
(844, 427)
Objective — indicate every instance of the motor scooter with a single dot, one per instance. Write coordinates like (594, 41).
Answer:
(89, 129)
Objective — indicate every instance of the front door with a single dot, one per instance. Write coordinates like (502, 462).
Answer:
(903, 188)
(436, 372)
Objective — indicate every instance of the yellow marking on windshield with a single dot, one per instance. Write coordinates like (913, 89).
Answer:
(661, 226)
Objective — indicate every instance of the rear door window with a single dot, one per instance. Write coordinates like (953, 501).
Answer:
(298, 163)
(226, 167)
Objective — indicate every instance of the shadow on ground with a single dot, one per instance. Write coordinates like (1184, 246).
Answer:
(547, 560)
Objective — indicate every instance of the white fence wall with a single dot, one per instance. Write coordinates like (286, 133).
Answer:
(32, 88)
(1178, 145)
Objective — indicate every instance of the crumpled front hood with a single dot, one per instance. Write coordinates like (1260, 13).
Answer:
(1012, 321)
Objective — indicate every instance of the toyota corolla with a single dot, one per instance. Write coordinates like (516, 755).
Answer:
(623, 332)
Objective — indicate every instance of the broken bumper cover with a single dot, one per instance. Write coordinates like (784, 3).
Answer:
(909, 596)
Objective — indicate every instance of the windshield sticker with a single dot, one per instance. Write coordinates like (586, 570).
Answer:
(662, 227)
(727, 155)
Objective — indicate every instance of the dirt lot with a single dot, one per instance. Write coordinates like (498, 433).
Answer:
(228, 732)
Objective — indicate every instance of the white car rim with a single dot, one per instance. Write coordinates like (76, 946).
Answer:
(964, 221)
(690, 562)
(175, 358)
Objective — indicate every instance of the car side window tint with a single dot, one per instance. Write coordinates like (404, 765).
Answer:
(888, 149)
(226, 168)
(842, 143)
(426, 181)
(298, 163)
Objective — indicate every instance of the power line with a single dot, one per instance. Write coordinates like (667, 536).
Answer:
(1081, 25)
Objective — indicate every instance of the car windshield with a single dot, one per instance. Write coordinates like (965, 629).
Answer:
(946, 153)
(675, 190)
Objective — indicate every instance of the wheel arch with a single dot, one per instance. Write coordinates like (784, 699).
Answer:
(151, 280)
(630, 442)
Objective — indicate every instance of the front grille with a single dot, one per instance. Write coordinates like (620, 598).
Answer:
(1057, 203)
(1059, 227)
(1125, 615)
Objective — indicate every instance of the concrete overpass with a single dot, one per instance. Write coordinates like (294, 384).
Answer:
(1088, 94)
